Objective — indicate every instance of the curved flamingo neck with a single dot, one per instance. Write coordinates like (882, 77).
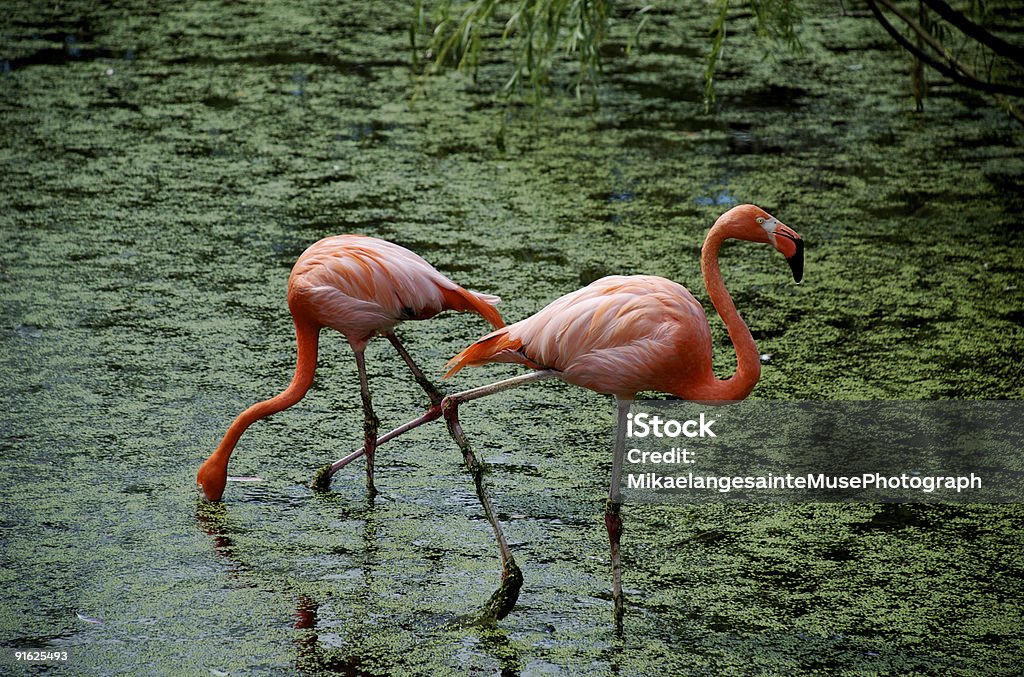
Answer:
(214, 469)
(748, 362)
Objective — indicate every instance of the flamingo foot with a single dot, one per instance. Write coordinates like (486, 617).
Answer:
(322, 479)
(505, 597)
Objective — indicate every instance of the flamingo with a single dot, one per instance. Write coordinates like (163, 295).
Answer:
(620, 336)
(360, 286)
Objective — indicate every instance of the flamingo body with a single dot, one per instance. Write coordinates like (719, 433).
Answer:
(619, 335)
(362, 286)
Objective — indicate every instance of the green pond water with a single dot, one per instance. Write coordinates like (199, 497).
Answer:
(163, 165)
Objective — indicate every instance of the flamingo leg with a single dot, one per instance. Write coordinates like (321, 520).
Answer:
(429, 388)
(499, 386)
(322, 479)
(504, 598)
(370, 422)
(612, 510)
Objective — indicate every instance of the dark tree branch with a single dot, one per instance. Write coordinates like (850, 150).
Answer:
(954, 70)
(973, 30)
(964, 75)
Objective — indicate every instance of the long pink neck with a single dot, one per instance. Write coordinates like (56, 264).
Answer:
(307, 334)
(748, 362)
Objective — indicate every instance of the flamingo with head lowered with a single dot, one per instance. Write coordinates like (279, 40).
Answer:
(360, 286)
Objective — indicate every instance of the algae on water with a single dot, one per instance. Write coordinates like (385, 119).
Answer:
(162, 171)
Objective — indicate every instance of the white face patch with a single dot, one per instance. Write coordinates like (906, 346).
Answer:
(769, 225)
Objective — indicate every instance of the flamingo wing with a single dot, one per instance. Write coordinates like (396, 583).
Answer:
(361, 286)
(618, 335)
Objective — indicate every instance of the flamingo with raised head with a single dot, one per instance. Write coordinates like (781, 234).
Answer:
(621, 336)
(360, 286)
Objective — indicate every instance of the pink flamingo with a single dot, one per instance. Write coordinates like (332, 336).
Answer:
(621, 336)
(360, 286)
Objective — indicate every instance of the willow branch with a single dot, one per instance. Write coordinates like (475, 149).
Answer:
(973, 30)
(953, 69)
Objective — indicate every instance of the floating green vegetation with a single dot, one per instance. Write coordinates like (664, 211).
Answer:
(162, 170)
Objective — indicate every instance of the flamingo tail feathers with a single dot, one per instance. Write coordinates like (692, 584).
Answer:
(483, 351)
(481, 304)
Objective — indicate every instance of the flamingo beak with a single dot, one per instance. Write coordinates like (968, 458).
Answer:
(791, 245)
(796, 262)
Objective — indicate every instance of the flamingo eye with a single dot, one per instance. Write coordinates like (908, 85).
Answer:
(760, 220)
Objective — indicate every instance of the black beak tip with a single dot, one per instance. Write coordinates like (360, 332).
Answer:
(796, 262)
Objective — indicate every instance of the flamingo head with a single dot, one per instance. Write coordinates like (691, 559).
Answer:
(211, 480)
(750, 222)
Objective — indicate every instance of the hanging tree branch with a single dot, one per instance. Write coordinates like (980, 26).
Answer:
(973, 30)
(952, 68)
(539, 32)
